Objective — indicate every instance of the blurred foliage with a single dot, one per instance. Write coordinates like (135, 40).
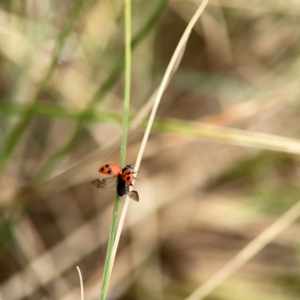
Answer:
(268, 178)
(5, 231)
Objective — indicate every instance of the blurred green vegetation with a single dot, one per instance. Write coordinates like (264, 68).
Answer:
(267, 181)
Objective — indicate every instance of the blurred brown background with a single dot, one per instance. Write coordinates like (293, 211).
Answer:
(201, 200)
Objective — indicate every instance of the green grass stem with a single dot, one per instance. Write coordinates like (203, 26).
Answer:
(113, 229)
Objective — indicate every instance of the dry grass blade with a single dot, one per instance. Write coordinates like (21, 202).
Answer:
(81, 284)
(175, 60)
(230, 135)
(173, 65)
(247, 253)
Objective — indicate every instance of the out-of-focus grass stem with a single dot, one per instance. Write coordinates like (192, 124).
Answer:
(17, 131)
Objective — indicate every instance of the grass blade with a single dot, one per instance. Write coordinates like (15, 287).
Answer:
(247, 253)
(113, 229)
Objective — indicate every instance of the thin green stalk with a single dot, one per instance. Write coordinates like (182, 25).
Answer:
(113, 230)
(127, 80)
(53, 111)
(55, 159)
(19, 128)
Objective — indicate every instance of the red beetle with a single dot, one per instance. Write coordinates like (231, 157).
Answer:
(121, 177)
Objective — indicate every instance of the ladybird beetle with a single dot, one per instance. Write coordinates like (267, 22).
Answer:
(110, 169)
(121, 177)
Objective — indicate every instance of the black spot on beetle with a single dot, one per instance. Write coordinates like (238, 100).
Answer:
(102, 169)
(109, 170)
(107, 166)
